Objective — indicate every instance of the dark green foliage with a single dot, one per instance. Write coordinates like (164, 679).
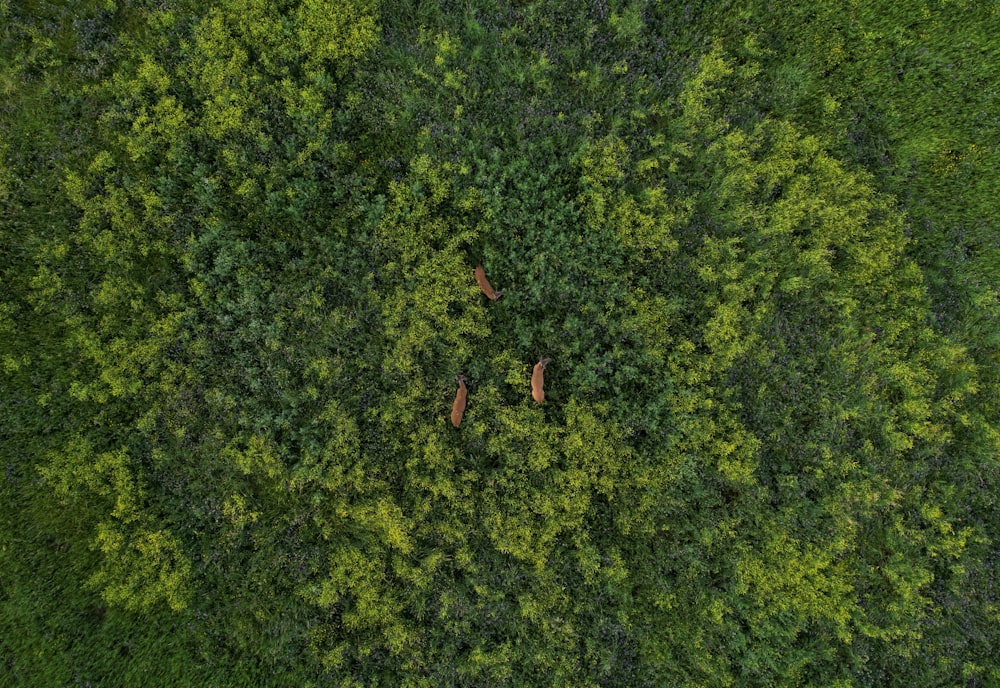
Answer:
(758, 244)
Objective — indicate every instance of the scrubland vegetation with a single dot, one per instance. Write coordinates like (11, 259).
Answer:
(757, 240)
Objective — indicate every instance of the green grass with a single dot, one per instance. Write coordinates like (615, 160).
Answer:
(758, 243)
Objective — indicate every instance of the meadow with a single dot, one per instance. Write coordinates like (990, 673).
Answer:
(757, 241)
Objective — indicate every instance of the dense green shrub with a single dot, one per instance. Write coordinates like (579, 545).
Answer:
(238, 240)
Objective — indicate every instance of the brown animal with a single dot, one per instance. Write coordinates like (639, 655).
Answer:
(458, 408)
(484, 284)
(538, 380)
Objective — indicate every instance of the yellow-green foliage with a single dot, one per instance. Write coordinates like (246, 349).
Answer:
(239, 240)
(336, 31)
(141, 568)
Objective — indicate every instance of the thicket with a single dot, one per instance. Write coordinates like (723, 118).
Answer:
(758, 243)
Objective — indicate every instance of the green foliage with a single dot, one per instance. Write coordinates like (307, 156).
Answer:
(239, 242)
(141, 568)
(336, 31)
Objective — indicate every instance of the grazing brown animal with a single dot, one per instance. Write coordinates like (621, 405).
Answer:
(458, 408)
(538, 380)
(484, 284)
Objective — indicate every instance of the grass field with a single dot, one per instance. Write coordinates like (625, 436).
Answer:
(758, 243)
